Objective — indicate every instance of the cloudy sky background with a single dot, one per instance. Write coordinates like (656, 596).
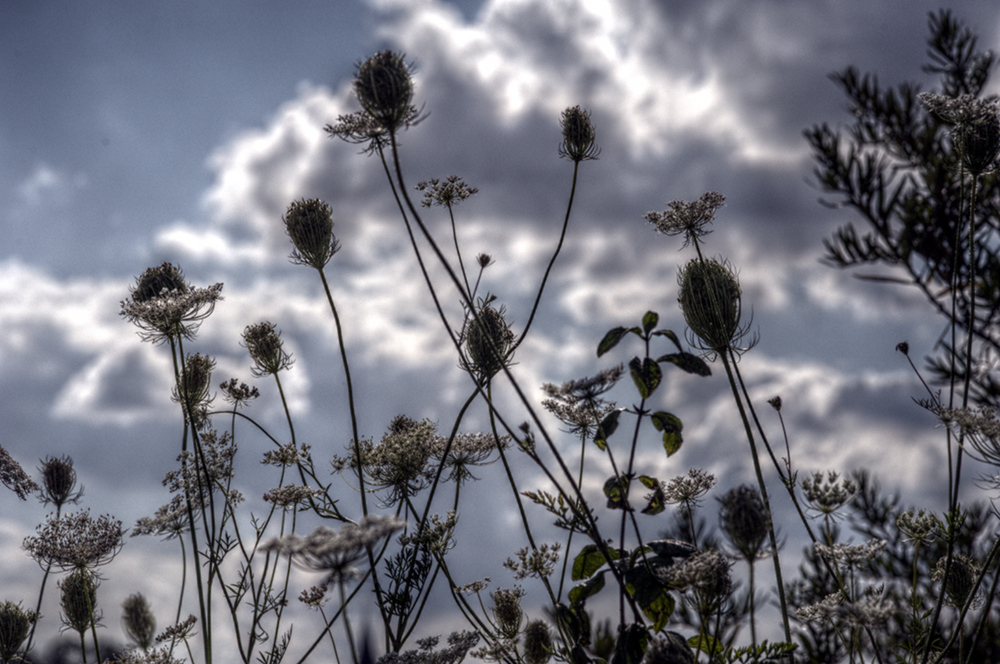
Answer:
(136, 134)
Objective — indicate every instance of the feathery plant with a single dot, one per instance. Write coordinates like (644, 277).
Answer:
(620, 581)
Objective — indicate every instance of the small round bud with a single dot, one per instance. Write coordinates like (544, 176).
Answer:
(903, 347)
(579, 138)
(15, 623)
(537, 642)
(711, 302)
(775, 403)
(266, 349)
(138, 621)
(384, 87)
(79, 600)
(309, 224)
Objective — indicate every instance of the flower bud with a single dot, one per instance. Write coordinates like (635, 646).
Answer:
(79, 600)
(309, 224)
(138, 621)
(711, 303)
(193, 389)
(15, 623)
(384, 87)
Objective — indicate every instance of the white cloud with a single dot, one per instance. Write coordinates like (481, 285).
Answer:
(50, 186)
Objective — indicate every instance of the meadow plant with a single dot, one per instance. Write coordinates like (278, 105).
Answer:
(619, 582)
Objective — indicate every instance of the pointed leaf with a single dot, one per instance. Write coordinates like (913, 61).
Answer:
(611, 340)
(616, 491)
(707, 644)
(646, 374)
(580, 593)
(650, 594)
(649, 482)
(606, 428)
(671, 427)
(589, 560)
(650, 320)
(669, 335)
(689, 362)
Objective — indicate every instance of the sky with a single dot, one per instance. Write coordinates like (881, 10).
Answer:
(137, 133)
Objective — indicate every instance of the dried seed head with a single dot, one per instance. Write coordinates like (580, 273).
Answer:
(507, 611)
(79, 600)
(154, 281)
(711, 302)
(59, 481)
(960, 586)
(978, 142)
(138, 621)
(163, 306)
(489, 343)
(537, 642)
(15, 623)
(309, 224)
(193, 389)
(13, 477)
(579, 138)
(266, 349)
(744, 520)
(384, 87)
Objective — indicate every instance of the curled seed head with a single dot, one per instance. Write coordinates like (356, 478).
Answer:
(579, 138)
(309, 224)
(711, 302)
(744, 520)
(668, 648)
(59, 481)
(155, 280)
(266, 349)
(537, 642)
(138, 621)
(979, 142)
(384, 87)
(14, 625)
(79, 600)
(507, 611)
(960, 586)
(488, 342)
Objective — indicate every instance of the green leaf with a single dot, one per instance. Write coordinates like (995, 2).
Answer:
(616, 491)
(669, 335)
(658, 501)
(589, 588)
(606, 428)
(707, 644)
(689, 362)
(651, 595)
(589, 560)
(671, 427)
(646, 374)
(611, 340)
(650, 320)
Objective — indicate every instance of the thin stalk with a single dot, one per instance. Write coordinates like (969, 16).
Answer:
(725, 355)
